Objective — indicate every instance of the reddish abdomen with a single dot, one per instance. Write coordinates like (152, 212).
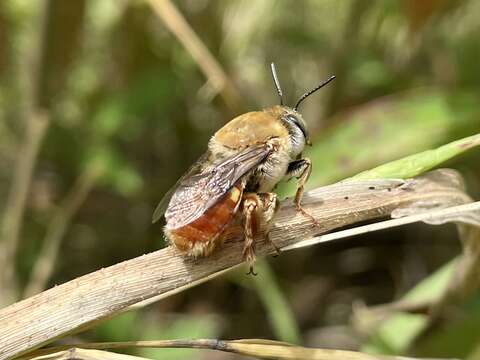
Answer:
(199, 237)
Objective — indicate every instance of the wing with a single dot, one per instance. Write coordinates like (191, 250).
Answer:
(195, 169)
(201, 191)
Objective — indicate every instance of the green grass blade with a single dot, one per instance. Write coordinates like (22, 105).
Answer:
(417, 164)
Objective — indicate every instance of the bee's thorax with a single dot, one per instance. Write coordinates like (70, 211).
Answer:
(280, 124)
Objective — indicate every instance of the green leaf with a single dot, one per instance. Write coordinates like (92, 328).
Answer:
(417, 164)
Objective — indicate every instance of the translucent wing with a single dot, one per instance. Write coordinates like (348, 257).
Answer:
(185, 179)
(199, 192)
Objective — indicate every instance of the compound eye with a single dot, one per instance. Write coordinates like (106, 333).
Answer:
(293, 119)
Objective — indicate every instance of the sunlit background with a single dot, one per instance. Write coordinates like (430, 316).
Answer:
(118, 106)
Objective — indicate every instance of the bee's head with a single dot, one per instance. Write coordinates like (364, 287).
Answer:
(291, 116)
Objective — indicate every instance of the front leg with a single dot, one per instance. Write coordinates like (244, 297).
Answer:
(301, 169)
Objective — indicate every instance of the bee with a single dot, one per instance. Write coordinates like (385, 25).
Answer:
(244, 162)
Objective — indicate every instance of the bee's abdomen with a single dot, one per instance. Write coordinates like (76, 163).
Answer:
(200, 237)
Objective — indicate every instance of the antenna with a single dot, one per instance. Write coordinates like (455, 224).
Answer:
(277, 83)
(307, 94)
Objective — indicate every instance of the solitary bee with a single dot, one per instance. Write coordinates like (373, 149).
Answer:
(244, 162)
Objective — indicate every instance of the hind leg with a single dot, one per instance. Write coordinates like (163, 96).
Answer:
(257, 209)
(250, 206)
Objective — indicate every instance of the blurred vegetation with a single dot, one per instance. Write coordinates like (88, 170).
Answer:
(127, 109)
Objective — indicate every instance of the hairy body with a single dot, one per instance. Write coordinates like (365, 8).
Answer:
(279, 134)
(244, 162)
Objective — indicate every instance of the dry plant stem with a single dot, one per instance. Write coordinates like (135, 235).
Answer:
(88, 354)
(264, 349)
(36, 124)
(15, 207)
(365, 320)
(217, 78)
(46, 261)
(422, 307)
(84, 301)
(388, 224)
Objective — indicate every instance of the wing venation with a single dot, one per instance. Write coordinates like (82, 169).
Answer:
(197, 192)
(195, 169)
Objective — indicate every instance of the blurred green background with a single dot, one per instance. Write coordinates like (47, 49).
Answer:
(124, 109)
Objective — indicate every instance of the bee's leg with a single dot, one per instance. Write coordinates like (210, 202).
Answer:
(251, 204)
(270, 206)
(301, 169)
